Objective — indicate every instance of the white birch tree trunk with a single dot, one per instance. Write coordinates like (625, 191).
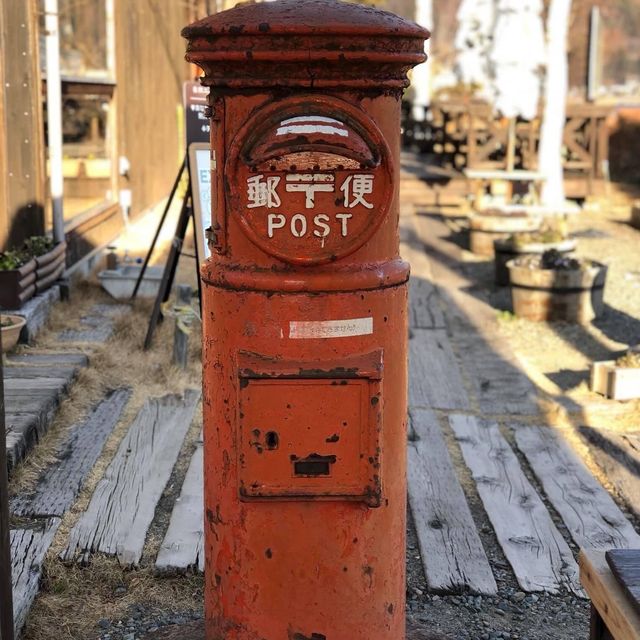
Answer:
(556, 86)
(421, 75)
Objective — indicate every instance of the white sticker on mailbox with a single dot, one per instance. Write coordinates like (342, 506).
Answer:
(330, 328)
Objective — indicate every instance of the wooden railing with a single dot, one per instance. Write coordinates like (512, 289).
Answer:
(467, 134)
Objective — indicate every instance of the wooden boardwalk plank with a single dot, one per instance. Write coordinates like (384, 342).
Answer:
(123, 504)
(618, 454)
(592, 517)
(182, 547)
(425, 311)
(453, 555)
(540, 557)
(28, 549)
(434, 377)
(500, 386)
(60, 484)
(49, 359)
(27, 386)
(65, 372)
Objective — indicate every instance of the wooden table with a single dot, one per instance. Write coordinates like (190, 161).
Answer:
(613, 614)
(480, 178)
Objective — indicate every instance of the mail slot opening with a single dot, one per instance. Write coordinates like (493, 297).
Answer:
(314, 466)
(272, 440)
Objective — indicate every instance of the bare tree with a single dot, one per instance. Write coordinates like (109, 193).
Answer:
(557, 79)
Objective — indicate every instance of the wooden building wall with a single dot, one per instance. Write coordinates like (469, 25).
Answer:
(22, 185)
(150, 70)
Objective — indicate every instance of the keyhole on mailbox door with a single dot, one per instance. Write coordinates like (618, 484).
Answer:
(272, 440)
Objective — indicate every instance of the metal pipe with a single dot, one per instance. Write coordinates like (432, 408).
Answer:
(6, 587)
(54, 116)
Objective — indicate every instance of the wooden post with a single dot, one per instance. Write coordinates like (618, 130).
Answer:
(6, 587)
(22, 137)
(180, 338)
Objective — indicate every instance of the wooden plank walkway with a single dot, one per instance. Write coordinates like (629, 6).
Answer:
(425, 310)
(453, 556)
(592, 517)
(97, 326)
(28, 549)
(123, 504)
(34, 384)
(435, 380)
(60, 484)
(540, 557)
(499, 384)
(183, 544)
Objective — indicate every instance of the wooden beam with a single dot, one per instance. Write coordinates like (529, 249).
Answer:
(23, 121)
(607, 597)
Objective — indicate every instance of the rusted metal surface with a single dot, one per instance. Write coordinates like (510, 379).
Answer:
(305, 322)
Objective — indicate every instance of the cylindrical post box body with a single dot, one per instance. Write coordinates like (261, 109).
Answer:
(305, 322)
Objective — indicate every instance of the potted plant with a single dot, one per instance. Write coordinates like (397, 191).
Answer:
(17, 279)
(31, 269)
(11, 327)
(532, 243)
(493, 224)
(617, 379)
(553, 286)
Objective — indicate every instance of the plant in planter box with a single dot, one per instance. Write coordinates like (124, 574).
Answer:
(29, 270)
(617, 379)
(532, 243)
(554, 286)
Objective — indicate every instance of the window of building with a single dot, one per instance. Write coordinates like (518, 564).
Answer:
(88, 118)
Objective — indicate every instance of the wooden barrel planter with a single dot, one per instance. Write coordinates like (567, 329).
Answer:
(572, 295)
(506, 250)
(18, 285)
(488, 226)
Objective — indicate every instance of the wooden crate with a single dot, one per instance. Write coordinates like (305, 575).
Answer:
(617, 383)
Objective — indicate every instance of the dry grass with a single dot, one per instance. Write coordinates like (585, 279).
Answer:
(74, 598)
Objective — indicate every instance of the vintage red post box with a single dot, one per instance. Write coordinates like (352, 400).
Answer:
(305, 321)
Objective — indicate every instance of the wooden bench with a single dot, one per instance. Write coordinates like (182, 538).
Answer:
(615, 613)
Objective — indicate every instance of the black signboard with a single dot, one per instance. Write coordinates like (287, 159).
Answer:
(195, 103)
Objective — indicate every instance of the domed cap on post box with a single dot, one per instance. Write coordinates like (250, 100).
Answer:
(306, 43)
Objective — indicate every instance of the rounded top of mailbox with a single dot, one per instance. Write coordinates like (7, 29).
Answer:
(304, 17)
(315, 44)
